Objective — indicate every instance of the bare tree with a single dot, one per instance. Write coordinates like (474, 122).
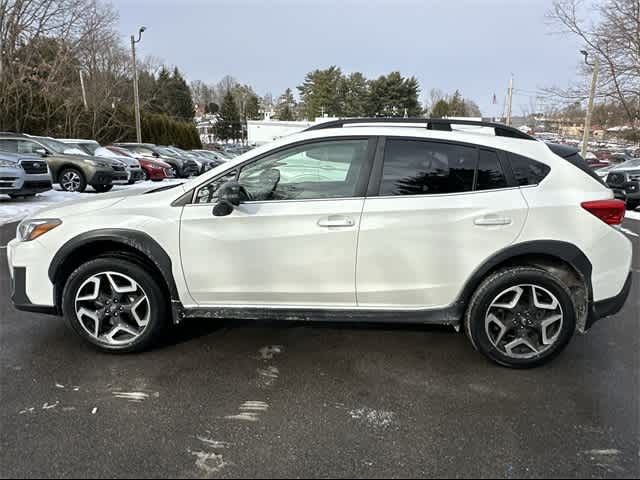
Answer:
(614, 37)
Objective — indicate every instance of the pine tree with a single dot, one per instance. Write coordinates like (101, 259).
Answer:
(285, 110)
(320, 93)
(354, 93)
(229, 126)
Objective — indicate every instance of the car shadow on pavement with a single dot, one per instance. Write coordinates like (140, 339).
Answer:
(193, 329)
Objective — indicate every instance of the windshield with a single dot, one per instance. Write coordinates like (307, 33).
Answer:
(59, 147)
(105, 153)
(165, 151)
(635, 163)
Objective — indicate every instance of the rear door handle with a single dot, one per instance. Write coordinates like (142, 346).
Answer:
(492, 221)
(336, 221)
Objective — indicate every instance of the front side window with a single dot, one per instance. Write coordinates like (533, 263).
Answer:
(209, 192)
(328, 169)
(415, 167)
(10, 146)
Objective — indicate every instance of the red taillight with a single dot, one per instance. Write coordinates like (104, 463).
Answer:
(610, 212)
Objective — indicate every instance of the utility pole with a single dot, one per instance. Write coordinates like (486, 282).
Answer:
(592, 94)
(84, 92)
(136, 95)
(510, 101)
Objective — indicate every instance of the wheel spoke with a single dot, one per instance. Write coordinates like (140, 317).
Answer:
(517, 291)
(133, 287)
(142, 322)
(540, 304)
(95, 282)
(518, 342)
(503, 328)
(84, 312)
(544, 328)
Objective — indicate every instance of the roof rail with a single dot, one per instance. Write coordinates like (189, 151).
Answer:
(443, 124)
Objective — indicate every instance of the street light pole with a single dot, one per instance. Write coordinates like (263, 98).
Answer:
(136, 95)
(592, 94)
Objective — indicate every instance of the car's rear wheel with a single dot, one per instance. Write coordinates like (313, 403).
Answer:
(115, 305)
(102, 188)
(633, 204)
(521, 317)
(72, 180)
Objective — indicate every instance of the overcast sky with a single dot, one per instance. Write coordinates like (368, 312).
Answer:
(472, 45)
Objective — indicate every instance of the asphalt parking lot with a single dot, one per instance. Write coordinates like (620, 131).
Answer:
(249, 399)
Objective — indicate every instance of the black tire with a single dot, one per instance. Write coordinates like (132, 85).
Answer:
(633, 204)
(131, 182)
(75, 173)
(157, 298)
(490, 290)
(102, 188)
(145, 175)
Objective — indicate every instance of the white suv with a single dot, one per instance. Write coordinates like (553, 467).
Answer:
(374, 220)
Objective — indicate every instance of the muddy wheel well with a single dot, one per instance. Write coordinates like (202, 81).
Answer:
(97, 249)
(566, 272)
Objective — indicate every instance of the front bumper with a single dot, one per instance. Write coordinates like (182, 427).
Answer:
(611, 306)
(31, 290)
(11, 180)
(627, 191)
(102, 177)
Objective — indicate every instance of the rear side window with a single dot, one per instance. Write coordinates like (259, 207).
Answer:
(490, 173)
(413, 167)
(527, 171)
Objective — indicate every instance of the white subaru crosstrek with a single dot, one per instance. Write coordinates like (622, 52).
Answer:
(468, 224)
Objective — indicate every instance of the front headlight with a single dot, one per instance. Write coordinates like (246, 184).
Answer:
(90, 162)
(8, 164)
(31, 229)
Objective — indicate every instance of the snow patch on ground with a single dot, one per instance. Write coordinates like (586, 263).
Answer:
(375, 418)
(15, 210)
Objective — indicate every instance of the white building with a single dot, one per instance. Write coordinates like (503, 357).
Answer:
(260, 132)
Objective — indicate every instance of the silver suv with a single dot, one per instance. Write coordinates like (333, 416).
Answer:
(23, 175)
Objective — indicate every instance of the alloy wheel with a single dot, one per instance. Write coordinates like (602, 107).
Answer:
(70, 181)
(112, 308)
(524, 321)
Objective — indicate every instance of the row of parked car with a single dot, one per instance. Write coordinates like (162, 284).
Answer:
(30, 165)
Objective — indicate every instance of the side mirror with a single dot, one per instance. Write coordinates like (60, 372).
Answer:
(41, 151)
(230, 195)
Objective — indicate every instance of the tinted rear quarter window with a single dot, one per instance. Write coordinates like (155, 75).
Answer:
(490, 173)
(527, 171)
(414, 167)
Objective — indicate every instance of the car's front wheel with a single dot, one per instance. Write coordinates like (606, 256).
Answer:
(521, 317)
(115, 305)
(72, 180)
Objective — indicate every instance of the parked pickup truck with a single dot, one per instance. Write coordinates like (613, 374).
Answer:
(624, 180)
(23, 175)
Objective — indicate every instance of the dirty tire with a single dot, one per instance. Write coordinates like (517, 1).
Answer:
(102, 188)
(158, 313)
(491, 288)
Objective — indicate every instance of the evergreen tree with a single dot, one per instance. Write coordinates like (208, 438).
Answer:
(394, 96)
(320, 93)
(181, 104)
(285, 110)
(440, 109)
(354, 93)
(229, 126)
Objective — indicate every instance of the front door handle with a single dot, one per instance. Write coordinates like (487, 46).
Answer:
(336, 221)
(492, 221)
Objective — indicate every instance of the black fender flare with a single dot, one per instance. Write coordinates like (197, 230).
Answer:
(141, 242)
(566, 252)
